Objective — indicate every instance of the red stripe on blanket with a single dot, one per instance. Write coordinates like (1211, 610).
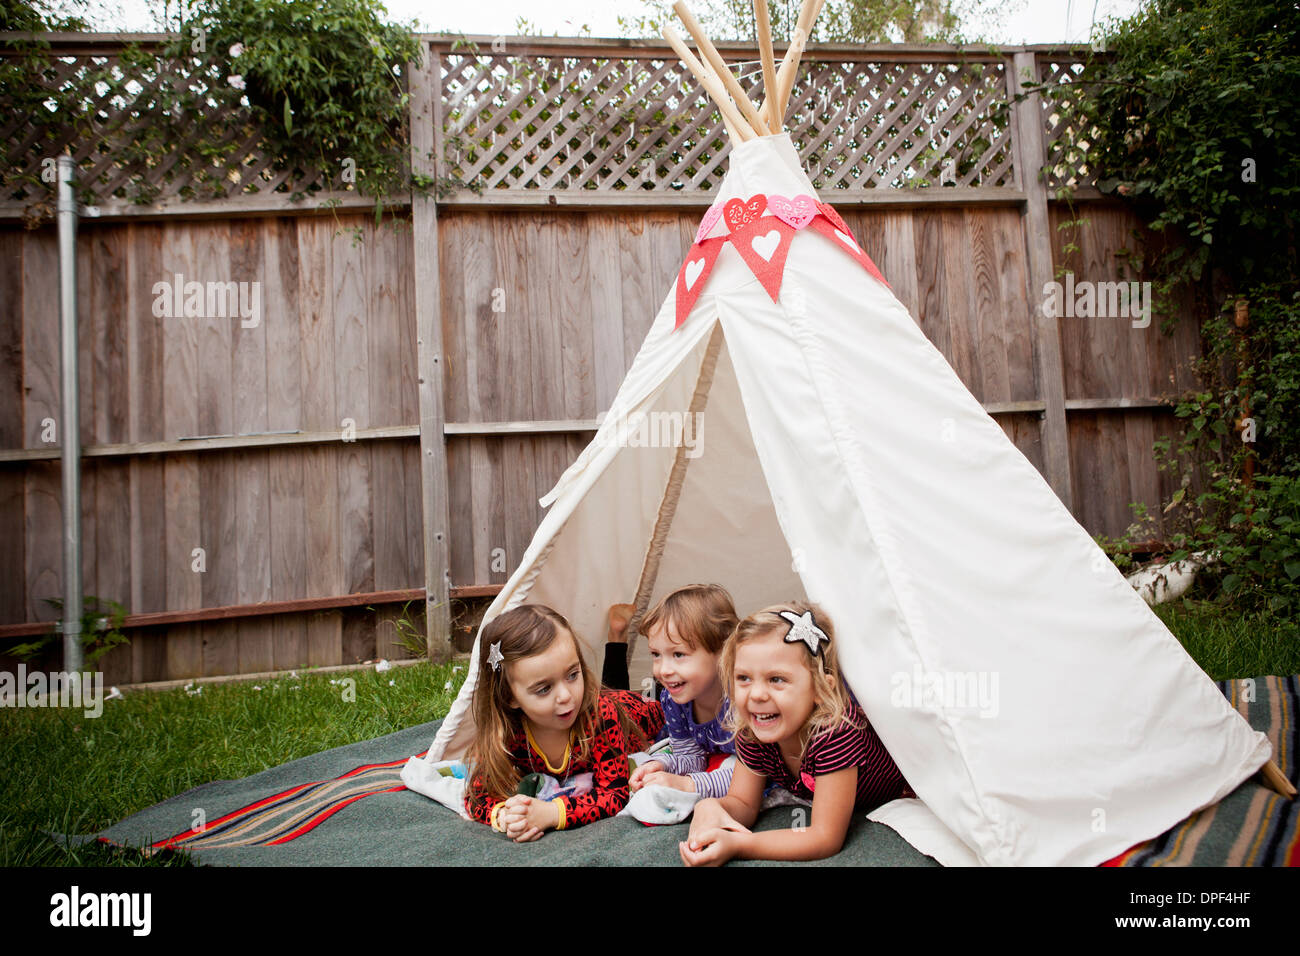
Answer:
(188, 834)
(378, 766)
(1119, 860)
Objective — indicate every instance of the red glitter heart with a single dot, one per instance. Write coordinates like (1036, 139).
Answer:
(740, 213)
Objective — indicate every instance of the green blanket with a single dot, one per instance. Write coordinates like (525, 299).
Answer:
(347, 806)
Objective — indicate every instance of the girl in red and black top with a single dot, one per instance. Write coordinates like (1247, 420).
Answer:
(537, 710)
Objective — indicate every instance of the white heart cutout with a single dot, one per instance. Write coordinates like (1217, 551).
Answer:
(693, 270)
(847, 240)
(765, 246)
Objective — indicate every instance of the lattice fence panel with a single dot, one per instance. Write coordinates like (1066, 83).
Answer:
(128, 147)
(866, 125)
(524, 122)
(1067, 134)
(563, 122)
(543, 120)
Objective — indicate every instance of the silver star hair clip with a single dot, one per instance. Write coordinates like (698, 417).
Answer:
(494, 656)
(804, 629)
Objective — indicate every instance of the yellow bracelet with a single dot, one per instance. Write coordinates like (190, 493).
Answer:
(492, 818)
(559, 806)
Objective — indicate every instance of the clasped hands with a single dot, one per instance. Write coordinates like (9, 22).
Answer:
(716, 836)
(526, 818)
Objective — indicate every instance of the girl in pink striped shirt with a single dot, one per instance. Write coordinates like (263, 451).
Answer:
(797, 725)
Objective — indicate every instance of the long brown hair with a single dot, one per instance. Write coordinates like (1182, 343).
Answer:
(831, 697)
(701, 615)
(527, 630)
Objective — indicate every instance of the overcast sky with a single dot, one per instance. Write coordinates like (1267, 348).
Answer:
(1024, 21)
(1027, 21)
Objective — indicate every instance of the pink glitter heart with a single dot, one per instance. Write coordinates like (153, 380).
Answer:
(711, 217)
(808, 780)
(795, 213)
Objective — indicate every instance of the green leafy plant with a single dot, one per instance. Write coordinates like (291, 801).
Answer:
(296, 95)
(1189, 108)
(1121, 549)
(35, 15)
(102, 621)
(1238, 492)
(1185, 117)
(410, 631)
(324, 79)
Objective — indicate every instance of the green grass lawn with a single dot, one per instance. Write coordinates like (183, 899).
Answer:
(1229, 644)
(66, 773)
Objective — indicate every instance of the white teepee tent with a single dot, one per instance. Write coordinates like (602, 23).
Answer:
(837, 456)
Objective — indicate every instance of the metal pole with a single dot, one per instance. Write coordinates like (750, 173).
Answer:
(71, 424)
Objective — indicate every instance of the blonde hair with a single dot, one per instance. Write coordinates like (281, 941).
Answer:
(831, 696)
(701, 615)
(527, 630)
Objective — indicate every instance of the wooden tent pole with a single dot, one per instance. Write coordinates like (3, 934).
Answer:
(1276, 779)
(714, 58)
(736, 125)
(732, 132)
(807, 16)
(790, 62)
(763, 21)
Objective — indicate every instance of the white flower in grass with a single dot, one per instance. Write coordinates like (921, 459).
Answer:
(256, 687)
(237, 81)
(447, 686)
(392, 683)
(237, 50)
(383, 666)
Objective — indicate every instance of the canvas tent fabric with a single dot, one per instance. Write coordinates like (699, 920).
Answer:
(839, 458)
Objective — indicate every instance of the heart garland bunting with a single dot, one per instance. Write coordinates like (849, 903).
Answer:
(740, 213)
(694, 272)
(762, 241)
(763, 244)
(711, 217)
(795, 213)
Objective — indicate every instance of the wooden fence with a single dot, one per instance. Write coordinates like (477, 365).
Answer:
(265, 492)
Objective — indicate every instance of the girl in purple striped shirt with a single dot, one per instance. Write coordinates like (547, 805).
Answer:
(797, 725)
(685, 633)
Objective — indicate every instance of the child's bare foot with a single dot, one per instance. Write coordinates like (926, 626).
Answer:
(620, 615)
